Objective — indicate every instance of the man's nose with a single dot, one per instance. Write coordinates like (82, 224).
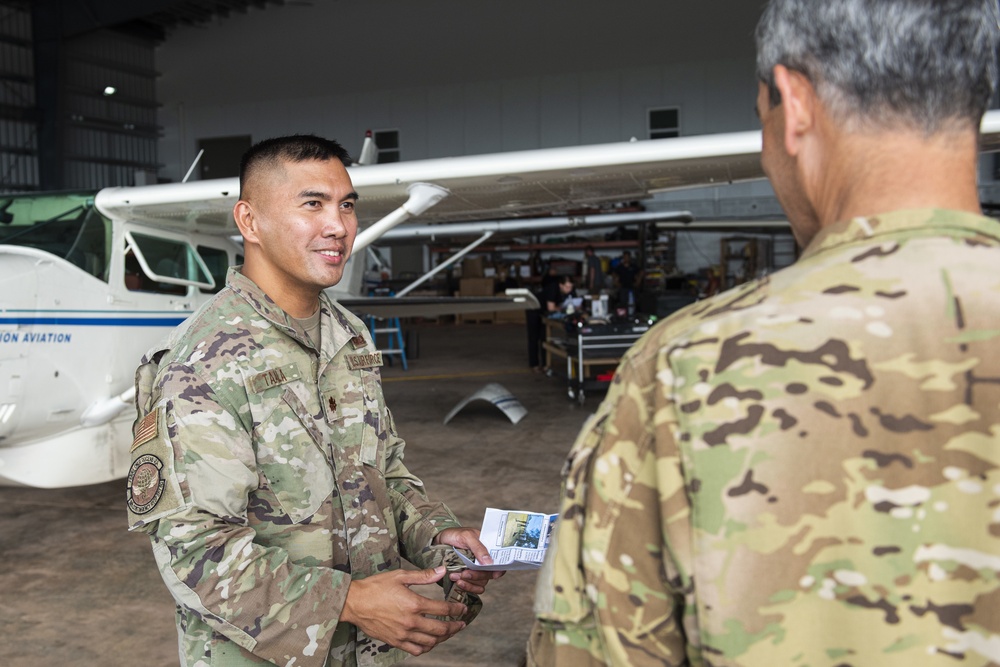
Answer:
(334, 224)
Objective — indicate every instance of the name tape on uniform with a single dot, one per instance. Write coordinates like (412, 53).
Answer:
(272, 378)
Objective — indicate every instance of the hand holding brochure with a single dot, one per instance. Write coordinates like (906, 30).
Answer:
(516, 540)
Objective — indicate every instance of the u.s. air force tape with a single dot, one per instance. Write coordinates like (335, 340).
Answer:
(370, 360)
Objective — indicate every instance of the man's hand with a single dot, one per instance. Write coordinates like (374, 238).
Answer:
(385, 608)
(472, 581)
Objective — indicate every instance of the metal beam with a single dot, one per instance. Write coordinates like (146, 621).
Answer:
(83, 16)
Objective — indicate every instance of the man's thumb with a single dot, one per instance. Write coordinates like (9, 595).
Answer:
(428, 576)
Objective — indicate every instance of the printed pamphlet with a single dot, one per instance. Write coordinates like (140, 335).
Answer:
(516, 540)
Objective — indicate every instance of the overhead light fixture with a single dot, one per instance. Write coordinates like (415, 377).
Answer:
(110, 90)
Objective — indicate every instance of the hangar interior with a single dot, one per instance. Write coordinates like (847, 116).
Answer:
(107, 92)
(100, 93)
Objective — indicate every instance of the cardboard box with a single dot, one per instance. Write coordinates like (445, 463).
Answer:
(509, 316)
(472, 267)
(476, 286)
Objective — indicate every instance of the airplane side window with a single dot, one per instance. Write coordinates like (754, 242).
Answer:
(217, 261)
(137, 281)
(167, 260)
(65, 225)
(89, 249)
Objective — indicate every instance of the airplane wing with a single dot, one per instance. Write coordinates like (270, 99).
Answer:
(481, 186)
(487, 188)
(511, 184)
(433, 306)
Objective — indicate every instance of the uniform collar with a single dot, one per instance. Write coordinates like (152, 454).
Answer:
(335, 329)
(911, 222)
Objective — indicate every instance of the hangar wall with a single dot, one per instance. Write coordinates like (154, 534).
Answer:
(481, 117)
(455, 77)
(458, 78)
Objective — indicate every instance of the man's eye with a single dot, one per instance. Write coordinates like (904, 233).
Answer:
(347, 206)
(313, 203)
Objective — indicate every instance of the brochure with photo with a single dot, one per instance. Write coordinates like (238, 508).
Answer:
(516, 539)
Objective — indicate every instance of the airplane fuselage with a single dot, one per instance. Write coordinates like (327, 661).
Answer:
(72, 330)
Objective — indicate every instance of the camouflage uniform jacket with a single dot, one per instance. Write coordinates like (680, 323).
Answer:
(269, 474)
(802, 471)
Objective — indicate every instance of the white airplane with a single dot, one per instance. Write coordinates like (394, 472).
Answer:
(89, 282)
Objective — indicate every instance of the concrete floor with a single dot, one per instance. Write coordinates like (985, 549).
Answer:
(78, 589)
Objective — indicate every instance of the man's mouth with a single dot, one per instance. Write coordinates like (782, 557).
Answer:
(333, 254)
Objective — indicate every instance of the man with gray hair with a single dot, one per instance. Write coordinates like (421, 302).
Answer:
(805, 470)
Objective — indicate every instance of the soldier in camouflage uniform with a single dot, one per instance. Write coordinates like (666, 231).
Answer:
(267, 470)
(803, 471)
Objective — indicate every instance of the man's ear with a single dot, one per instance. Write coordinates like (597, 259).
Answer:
(798, 106)
(246, 221)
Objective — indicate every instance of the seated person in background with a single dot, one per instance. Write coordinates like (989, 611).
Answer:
(557, 293)
(554, 296)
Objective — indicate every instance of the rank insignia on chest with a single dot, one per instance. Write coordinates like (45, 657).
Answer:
(330, 407)
(358, 341)
(369, 360)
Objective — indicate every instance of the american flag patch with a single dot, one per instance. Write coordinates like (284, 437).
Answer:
(145, 430)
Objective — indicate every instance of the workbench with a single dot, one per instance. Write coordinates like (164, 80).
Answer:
(587, 349)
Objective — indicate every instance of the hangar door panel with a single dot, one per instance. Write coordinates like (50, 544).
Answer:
(222, 156)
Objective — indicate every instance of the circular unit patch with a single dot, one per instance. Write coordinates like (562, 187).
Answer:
(145, 485)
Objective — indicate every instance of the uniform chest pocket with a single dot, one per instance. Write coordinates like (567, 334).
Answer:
(374, 438)
(291, 456)
(360, 421)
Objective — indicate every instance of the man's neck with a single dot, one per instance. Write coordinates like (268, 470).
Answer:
(876, 173)
(296, 303)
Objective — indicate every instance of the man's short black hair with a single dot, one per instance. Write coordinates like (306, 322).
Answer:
(293, 148)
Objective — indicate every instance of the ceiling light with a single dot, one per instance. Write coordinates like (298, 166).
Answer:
(110, 90)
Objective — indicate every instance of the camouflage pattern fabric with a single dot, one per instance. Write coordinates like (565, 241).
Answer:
(800, 471)
(269, 475)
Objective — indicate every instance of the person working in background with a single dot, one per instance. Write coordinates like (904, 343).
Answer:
(267, 469)
(555, 295)
(627, 275)
(594, 271)
(805, 470)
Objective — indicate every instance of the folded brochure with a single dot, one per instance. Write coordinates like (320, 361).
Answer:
(516, 540)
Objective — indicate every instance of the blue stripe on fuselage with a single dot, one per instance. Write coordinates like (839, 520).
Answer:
(96, 321)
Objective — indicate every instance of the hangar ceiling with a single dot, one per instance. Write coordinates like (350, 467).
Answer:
(144, 18)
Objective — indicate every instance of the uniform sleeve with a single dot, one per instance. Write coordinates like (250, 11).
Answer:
(418, 519)
(254, 595)
(610, 591)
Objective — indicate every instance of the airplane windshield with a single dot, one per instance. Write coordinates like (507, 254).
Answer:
(66, 225)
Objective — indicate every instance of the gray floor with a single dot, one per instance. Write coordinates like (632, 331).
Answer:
(77, 589)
